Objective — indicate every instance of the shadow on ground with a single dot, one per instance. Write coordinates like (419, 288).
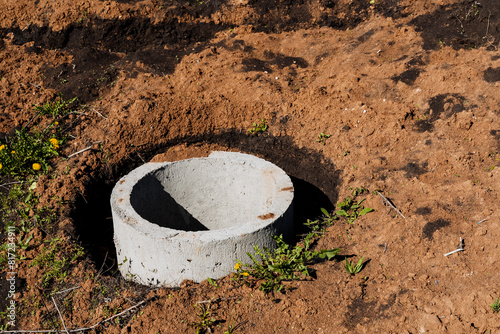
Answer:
(462, 25)
(315, 179)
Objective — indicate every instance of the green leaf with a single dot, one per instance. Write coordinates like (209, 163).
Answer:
(329, 254)
(341, 213)
(365, 211)
(212, 282)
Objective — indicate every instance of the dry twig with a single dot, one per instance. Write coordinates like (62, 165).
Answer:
(217, 300)
(488, 26)
(482, 220)
(102, 266)
(85, 149)
(81, 151)
(79, 329)
(387, 202)
(10, 183)
(67, 290)
(60, 315)
(460, 248)
(98, 113)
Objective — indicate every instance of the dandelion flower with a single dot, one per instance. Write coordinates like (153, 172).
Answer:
(13, 152)
(36, 166)
(1, 166)
(56, 123)
(54, 142)
(237, 266)
(2, 147)
(245, 274)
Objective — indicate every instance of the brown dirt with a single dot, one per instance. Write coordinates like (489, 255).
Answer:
(408, 91)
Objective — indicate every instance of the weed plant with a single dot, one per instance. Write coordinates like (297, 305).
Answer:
(352, 268)
(20, 209)
(27, 152)
(322, 137)
(55, 260)
(29, 149)
(57, 108)
(495, 306)
(231, 326)
(205, 319)
(20, 214)
(212, 282)
(318, 226)
(259, 127)
(352, 209)
(285, 263)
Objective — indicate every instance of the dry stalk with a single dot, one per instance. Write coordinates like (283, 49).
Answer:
(60, 315)
(85, 149)
(78, 329)
(386, 202)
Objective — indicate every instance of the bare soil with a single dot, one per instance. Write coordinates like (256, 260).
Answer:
(408, 91)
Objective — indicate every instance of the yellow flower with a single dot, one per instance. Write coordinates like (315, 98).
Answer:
(56, 123)
(54, 142)
(237, 266)
(245, 273)
(2, 147)
(36, 166)
(13, 152)
(1, 166)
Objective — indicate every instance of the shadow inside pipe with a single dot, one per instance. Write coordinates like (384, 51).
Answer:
(150, 200)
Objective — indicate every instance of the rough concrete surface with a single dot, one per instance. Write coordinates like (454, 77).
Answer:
(194, 218)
